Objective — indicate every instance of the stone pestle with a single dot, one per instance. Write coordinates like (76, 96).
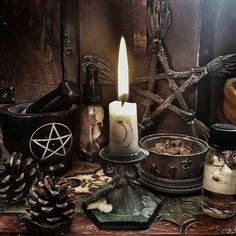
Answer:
(61, 98)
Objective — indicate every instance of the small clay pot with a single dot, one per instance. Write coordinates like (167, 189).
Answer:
(47, 137)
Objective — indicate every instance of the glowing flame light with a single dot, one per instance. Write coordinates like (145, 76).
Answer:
(123, 72)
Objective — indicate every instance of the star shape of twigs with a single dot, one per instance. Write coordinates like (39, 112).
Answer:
(158, 21)
(220, 67)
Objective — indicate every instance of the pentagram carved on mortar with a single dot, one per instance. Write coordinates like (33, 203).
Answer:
(158, 21)
(52, 139)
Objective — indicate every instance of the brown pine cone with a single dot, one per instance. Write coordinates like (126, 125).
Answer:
(51, 202)
(17, 176)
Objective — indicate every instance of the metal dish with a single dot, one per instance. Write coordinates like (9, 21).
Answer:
(173, 174)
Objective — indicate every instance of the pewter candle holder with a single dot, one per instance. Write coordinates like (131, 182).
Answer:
(134, 207)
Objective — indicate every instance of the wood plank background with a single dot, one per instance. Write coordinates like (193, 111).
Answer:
(31, 45)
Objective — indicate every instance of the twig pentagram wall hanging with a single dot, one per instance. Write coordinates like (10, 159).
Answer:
(158, 21)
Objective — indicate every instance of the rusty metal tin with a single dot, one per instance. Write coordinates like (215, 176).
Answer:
(173, 174)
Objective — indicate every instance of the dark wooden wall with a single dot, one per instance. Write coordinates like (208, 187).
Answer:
(218, 34)
(101, 25)
(31, 45)
(205, 25)
(30, 50)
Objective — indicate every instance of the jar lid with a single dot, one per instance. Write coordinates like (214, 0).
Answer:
(223, 136)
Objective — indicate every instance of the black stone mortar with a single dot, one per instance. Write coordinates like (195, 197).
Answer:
(47, 137)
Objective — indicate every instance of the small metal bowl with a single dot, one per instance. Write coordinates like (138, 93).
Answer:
(173, 174)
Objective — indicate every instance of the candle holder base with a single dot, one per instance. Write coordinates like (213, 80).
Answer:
(133, 206)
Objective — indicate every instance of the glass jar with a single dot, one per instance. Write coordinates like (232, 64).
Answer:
(219, 179)
(92, 137)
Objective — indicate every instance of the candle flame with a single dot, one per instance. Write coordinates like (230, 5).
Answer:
(123, 72)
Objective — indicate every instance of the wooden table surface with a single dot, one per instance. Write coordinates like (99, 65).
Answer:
(178, 215)
(175, 221)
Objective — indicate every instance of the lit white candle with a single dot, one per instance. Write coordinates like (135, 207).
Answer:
(123, 138)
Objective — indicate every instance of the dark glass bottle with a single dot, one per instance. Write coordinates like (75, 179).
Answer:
(219, 181)
(92, 136)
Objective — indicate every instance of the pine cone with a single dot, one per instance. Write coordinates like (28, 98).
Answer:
(51, 202)
(17, 176)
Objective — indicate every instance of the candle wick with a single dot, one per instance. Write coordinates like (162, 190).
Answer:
(122, 103)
